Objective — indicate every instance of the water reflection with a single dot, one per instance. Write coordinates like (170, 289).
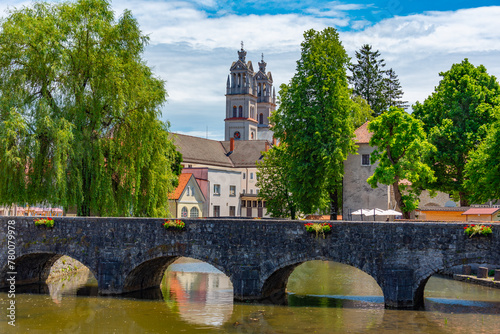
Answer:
(324, 297)
(200, 293)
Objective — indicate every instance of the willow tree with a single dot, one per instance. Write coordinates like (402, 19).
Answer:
(80, 112)
(314, 122)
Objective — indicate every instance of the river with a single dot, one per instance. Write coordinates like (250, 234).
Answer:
(324, 297)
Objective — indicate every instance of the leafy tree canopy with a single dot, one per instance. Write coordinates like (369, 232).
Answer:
(457, 116)
(400, 145)
(482, 171)
(313, 122)
(80, 112)
(361, 111)
(273, 182)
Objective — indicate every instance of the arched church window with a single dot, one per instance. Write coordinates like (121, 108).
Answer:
(184, 212)
(252, 113)
(261, 118)
(239, 80)
(194, 212)
(240, 111)
(259, 90)
(237, 135)
(234, 111)
(252, 135)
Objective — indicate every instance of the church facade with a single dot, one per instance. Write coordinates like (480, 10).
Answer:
(250, 100)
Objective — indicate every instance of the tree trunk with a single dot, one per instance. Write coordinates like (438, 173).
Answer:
(463, 199)
(399, 200)
(334, 204)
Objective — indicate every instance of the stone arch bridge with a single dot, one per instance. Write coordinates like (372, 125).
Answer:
(131, 254)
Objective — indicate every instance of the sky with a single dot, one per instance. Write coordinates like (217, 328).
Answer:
(194, 42)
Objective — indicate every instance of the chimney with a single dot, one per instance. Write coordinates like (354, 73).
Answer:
(231, 144)
(267, 146)
(274, 141)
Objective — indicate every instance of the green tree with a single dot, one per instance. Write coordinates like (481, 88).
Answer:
(456, 117)
(361, 111)
(400, 144)
(313, 122)
(367, 78)
(273, 182)
(80, 112)
(482, 171)
(392, 91)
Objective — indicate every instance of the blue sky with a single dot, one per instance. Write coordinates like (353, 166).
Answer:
(194, 42)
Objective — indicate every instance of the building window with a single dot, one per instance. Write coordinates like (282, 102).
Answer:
(244, 176)
(234, 111)
(257, 191)
(249, 204)
(260, 204)
(216, 211)
(188, 191)
(217, 189)
(232, 211)
(243, 191)
(240, 111)
(252, 135)
(251, 176)
(237, 135)
(254, 204)
(194, 212)
(184, 212)
(243, 203)
(232, 191)
(261, 118)
(365, 160)
(251, 191)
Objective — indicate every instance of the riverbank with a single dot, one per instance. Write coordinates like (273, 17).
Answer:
(489, 282)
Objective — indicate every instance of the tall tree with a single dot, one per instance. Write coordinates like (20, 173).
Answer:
(400, 147)
(367, 78)
(392, 91)
(313, 122)
(457, 116)
(80, 112)
(482, 171)
(273, 182)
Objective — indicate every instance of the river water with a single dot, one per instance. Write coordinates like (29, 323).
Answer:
(324, 297)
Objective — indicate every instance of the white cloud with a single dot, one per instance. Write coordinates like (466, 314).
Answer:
(193, 51)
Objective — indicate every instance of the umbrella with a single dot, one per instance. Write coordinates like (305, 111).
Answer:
(369, 212)
(392, 213)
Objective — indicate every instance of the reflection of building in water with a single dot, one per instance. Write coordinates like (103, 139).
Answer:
(202, 298)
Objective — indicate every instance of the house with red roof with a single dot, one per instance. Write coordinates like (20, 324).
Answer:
(187, 200)
(482, 214)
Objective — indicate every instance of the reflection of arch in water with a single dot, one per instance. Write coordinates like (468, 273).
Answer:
(275, 284)
(203, 298)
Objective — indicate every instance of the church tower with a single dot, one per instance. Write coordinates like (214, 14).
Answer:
(249, 102)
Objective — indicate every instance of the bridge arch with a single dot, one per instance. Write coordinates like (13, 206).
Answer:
(149, 273)
(276, 281)
(34, 267)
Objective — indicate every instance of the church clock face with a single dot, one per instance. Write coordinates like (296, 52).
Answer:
(237, 135)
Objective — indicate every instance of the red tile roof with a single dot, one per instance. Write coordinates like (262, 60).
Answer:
(362, 135)
(183, 180)
(481, 211)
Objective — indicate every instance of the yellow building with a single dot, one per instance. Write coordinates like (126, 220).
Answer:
(187, 199)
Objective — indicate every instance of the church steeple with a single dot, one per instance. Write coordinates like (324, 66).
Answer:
(242, 53)
(250, 99)
(262, 65)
